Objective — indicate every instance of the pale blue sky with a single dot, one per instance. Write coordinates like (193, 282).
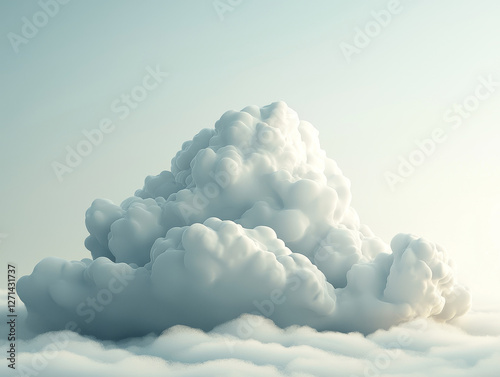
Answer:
(368, 111)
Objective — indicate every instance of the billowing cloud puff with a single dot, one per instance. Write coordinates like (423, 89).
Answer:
(253, 217)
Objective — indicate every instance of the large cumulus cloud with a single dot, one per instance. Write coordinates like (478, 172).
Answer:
(252, 217)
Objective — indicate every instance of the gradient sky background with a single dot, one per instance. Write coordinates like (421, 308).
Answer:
(368, 111)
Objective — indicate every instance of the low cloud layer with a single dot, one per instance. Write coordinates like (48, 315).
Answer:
(252, 217)
(418, 348)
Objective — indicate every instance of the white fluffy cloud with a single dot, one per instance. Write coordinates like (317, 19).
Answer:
(419, 348)
(253, 217)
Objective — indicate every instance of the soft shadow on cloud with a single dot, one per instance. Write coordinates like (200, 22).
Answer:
(252, 217)
(417, 348)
